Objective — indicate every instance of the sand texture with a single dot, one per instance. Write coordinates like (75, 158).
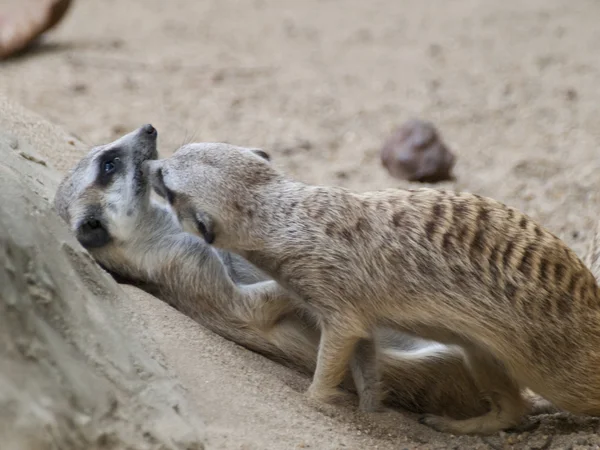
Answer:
(320, 84)
(72, 376)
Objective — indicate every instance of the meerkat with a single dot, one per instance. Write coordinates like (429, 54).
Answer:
(452, 267)
(105, 200)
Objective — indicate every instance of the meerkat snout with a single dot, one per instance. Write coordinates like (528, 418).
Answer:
(149, 129)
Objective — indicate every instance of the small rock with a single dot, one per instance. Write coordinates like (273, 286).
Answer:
(415, 152)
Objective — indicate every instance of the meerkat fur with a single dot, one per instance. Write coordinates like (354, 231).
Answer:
(453, 267)
(106, 201)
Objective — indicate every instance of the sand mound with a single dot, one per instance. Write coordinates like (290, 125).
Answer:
(71, 375)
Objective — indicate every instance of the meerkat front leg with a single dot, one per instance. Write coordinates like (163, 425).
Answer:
(336, 350)
(264, 303)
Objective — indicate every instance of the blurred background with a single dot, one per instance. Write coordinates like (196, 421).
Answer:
(511, 86)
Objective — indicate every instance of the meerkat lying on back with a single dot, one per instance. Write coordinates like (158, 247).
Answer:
(453, 267)
(106, 201)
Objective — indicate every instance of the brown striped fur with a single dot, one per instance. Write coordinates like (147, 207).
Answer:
(453, 267)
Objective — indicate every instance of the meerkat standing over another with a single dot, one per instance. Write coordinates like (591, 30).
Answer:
(105, 200)
(453, 267)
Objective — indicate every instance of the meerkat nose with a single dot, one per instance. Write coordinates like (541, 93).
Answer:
(149, 129)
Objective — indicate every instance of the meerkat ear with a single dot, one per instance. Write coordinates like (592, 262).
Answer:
(205, 226)
(92, 233)
(261, 153)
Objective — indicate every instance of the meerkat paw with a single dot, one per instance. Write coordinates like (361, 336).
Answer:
(370, 404)
(329, 396)
(370, 400)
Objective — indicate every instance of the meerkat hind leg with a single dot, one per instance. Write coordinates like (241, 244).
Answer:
(507, 405)
(365, 372)
(336, 350)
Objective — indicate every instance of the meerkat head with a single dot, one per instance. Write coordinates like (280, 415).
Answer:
(103, 197)
(214, 189)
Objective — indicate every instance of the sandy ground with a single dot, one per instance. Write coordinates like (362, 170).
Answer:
(512, 86)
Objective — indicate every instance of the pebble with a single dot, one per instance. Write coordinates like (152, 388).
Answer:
(415, 152)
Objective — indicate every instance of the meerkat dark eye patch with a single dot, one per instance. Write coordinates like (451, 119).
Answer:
(205, 227)
(108, 165)
(92, 233)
